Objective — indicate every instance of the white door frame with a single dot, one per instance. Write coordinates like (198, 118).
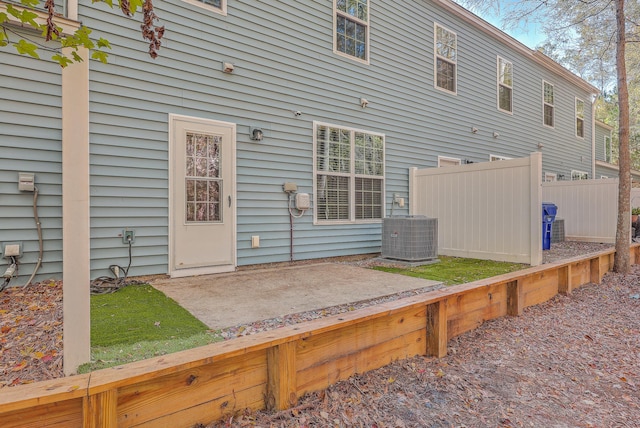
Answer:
(177, 273)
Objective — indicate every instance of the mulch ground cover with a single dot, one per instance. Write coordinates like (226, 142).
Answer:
(30, 333)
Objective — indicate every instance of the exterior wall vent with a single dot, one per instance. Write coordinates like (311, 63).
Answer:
(410, 238)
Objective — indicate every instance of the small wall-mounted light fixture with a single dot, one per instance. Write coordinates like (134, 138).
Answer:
(495, 134)
(364, 102)
(474, 130)
(257, 134)
(297, 113)
(227, 67)
(540, 146)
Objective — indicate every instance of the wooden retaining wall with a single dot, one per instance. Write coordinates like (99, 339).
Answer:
(272, 369)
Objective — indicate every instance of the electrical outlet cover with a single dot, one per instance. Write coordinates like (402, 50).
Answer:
(13, 249)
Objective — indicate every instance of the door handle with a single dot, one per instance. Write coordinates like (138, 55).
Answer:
(229, 197)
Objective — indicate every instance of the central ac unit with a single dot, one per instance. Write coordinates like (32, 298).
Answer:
(410, 238)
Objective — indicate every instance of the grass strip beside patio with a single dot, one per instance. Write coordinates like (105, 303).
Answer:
(456, 270)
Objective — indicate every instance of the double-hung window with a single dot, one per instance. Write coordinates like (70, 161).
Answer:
(505, 85)
(349, 174)
(579, 175)
(219, 6)
(579, 118)
(352, 28)
(607, 149)
(548, 104)
(446, 59)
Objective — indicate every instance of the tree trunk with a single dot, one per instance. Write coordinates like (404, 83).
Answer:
(621, 261)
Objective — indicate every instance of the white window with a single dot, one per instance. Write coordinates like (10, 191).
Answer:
(579, 175)
(445, 161)
(607, 149)
(548, 104)
(505, 85)
(349, 174)
(550, 176)
(579, 118)
(493, 158)
(446, 59)
(219, 6)
(351, 23)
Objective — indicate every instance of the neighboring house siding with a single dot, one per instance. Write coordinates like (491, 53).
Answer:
(30, 141)
(601, 170)
(284, 62)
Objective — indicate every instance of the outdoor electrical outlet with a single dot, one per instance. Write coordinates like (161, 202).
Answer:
(12, 249)
(128, 236)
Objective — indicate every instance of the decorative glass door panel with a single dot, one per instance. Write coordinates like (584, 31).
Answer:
(203, 180)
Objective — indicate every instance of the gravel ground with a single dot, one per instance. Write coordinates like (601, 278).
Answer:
(31, 321)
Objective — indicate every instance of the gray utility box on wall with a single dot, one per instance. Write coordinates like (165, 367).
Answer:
(410, 238)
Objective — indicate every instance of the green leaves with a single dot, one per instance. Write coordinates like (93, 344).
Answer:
(25, 16)
(100, 56)
(27, 48)
(61, 59)
(45, 21)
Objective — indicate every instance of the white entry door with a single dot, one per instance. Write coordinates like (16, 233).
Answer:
(202, 196)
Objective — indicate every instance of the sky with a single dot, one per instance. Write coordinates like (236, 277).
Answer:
(531, 36)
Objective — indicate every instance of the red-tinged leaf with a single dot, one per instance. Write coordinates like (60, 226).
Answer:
(5, 329)
(19, 366)
(46, 358)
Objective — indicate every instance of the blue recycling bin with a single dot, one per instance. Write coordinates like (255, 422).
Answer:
(549, 211)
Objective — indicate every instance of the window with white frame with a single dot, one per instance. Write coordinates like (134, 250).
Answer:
(349, 174)
(607, 149)
(505, 85)
(446, 58)
(550, 176)
(548, 104)
(579, 175)
(446, 161)
(352, 28)
(579, 118)
(219, 6)
(493, 158)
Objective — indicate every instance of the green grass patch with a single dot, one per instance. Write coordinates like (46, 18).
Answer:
(456, 270)
(103, 357)
(139, 313)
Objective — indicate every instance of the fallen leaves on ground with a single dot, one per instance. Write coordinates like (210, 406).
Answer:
(30, 333)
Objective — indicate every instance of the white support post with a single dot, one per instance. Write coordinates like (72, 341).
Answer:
(75, 214)
(536, 208)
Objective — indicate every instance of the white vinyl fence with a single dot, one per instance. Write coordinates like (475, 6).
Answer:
(489, 210)
(589, 207)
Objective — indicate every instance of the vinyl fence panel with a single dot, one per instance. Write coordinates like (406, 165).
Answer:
(589, 208)
(489, 210)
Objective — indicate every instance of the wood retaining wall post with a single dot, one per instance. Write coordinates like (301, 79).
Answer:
(100, 410)
(281, 377)
(437, 329)
(564, 280)
(515, 298)
(595, 270)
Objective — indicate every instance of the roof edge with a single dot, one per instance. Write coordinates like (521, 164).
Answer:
(500, 35)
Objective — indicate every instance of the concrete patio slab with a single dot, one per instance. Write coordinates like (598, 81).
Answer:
(227, 300)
